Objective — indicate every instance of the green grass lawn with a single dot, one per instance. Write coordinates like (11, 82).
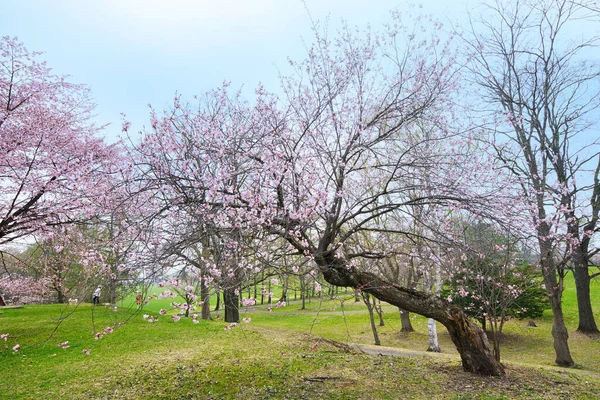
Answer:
(279, 354)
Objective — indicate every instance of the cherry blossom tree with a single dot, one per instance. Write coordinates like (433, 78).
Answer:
(546, 94)
(18, 289)
(53, 167)
(59, 266)
(319, 166)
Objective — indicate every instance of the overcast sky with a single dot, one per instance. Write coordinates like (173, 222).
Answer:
(138, 52)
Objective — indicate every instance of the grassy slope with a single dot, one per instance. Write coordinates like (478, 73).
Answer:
(271, 357)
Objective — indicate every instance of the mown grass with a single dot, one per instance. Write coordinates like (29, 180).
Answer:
(279, 354)
(521, 343)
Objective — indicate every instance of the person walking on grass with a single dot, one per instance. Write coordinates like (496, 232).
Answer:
(96, 296)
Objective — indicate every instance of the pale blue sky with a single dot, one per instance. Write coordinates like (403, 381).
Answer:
(135, 52)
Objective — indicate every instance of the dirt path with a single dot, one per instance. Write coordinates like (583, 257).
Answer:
(399, 352)
(264, 308)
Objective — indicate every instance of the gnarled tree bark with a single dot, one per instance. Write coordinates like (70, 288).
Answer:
(470, 340)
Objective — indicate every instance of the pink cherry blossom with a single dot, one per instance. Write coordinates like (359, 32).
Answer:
(248, 302)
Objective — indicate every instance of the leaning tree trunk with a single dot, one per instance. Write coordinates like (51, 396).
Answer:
(469, 339)
(367, 301)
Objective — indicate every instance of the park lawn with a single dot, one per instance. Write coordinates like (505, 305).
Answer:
(521, 343)
(280, 354)
(183, 360)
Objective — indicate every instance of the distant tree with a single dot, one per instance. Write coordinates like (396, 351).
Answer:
(488, 283)
(17, 289)
(59, 267)
(187, 289)
(371, 308)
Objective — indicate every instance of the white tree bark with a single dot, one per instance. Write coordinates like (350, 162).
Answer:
(431, 326)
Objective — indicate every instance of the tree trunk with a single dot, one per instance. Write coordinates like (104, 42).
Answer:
(495, 332)
(559, 332)
(405, 321)
(284, 288)
(367, 301)
(283, 295)
(432, 335)
(60, 297)
(554, 292)
(496, 342)
(379, 310)
(587, 324)
(218, 305)
(111, 291)
(469, 339)
(205, 298)
(232, 305)
(262, 287)
(303, 291)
